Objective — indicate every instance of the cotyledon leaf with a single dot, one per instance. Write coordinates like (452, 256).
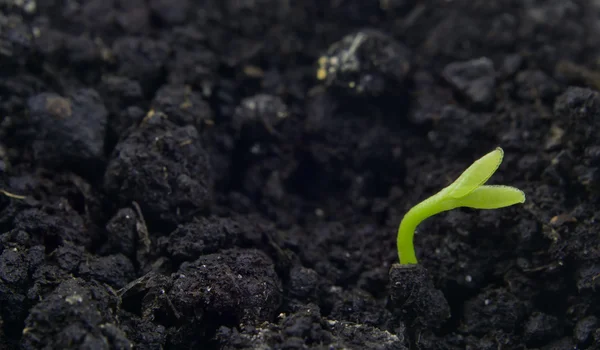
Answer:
(477, 174)
(492, 197)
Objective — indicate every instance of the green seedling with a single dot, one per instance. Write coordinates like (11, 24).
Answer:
(467, 191)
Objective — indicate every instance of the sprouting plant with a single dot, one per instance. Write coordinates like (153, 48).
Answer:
(467, 191)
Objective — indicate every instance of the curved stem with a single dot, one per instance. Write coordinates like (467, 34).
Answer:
(429, 207)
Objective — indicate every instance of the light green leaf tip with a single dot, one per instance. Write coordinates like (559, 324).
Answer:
(477, 174)
(492, 197)
(467, 191)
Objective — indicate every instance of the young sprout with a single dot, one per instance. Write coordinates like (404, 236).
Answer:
(467, 191)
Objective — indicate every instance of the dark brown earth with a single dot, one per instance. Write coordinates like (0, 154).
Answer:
(180, 174)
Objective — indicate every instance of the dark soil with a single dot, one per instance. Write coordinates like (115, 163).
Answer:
(179, 174)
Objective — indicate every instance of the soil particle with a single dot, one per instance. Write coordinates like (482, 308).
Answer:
(584, 329)
(257, 118)
(69, 130)
(233, 286)
(564, 343)
(586, 277)
(208, 235)
(429, 99)
(303, 283)
(535, 85)
(77, 315)
(183, 106)
(491, 310)
(491, 341)
(143, 333)
(31, 273)
(412, 293)
(554, 25)
(81, 51)
(14, 278)
(443, 41)
(474, 80)
(16, 39)
(119, 92)
(141, 59)
(168, 159)
(358, 306)
(68, 257)
(307, 329)
(540, 328)
(122, 234)
(510, 65)
(52, 227)
(368, 62)
(170, 12)
(370, 338)
(114, 270)
(450, 120)
(145, 299)
(579, 108)
(192, 62)
(126, 119)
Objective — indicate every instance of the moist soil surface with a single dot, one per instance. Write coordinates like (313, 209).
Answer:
(179, 174)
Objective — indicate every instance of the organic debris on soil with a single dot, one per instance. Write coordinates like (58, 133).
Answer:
(230, 174)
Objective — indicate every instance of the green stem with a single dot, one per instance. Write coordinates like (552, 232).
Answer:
(429, 207)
